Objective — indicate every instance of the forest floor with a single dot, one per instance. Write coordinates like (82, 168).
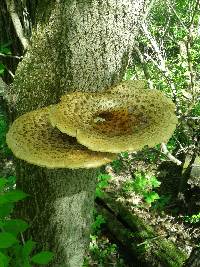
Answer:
(158, 206)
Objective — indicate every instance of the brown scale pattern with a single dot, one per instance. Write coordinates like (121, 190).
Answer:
(123, 118)
(33, 139)
(116, 122)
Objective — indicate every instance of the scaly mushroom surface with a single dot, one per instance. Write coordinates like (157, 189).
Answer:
(118, 120)
(33, 139)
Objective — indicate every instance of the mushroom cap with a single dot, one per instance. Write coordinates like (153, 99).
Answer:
(129, 86)
(33, 139)
(116, 122)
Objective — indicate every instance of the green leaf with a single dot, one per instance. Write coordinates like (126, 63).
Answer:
(6, 209)
(104, 177)
(15, 195)
(26, 264)
(151, 197)
(5, 51)
(11, 180)
(15, 226)
(98, 192)
(3, 182)
(4, 260)
(2, 68)
(27, 248)
(103, 184)
(154, 182)
(7, 240)
(3, 199)
(43, 257)
(140, 184)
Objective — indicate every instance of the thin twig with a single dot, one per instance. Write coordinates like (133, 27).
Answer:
(151, 239)
(10, 72)
(11, 56)
(144, 67)
(17, 23)
(194, 13)
(161, 65)
(22, 237)
(170, 6)
(166, 152)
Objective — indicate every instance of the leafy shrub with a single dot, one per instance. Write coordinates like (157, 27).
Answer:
(103, 253)
(103, 179)
(195, 218)
(14, 251)
(117, 165)
(143, 184)
(97, 224)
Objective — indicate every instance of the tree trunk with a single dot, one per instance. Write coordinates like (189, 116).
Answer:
(75, 45)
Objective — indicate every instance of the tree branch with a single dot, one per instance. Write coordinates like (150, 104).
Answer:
(194, 13)
(11, 56)
(170, 6)
(144, 66)
(166, 152)
(17, 23)
(161, 65)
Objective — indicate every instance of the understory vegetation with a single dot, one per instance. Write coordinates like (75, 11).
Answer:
(160, 186)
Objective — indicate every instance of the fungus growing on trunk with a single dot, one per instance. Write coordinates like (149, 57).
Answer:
(128, 86)
(120, 119)
(33, 139)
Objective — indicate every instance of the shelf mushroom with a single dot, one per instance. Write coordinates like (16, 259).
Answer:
(129, 86)
(116, 120)
(33, 139)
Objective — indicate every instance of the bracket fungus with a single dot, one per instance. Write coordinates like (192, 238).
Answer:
(33, 139)
(116, 120)
(129, 86)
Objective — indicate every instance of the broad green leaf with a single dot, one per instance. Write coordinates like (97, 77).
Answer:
(103, 184)
(27, 248)
(151, 197)
(42, 257)
(7, 240)
(3, 182)
(4, 260)
(140, 184)
(104, 176)
(15, 195)
(3, 199)
(26, 264)
(15, 226)
(98, 193)
(155, 182)
(6, 209)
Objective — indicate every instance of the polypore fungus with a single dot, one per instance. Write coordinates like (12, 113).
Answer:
(33, 139)
(129, 86)
(116, 121)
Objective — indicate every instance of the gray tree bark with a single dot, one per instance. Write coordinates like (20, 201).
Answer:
(75, 45)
